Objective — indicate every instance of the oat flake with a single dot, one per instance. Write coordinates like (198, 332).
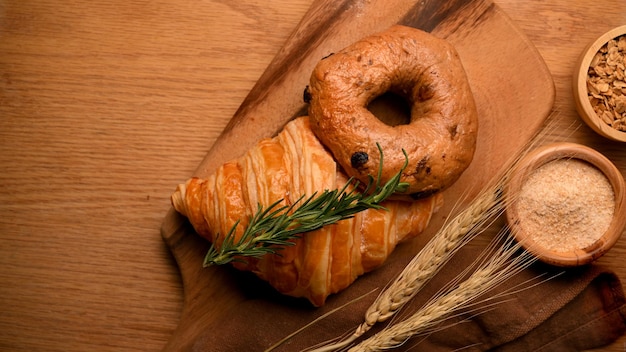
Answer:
(606, 83)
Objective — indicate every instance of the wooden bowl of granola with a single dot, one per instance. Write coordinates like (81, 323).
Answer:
(600, 86)
(566, 204)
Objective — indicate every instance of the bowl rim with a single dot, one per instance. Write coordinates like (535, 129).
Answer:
(566, 150)
(585, 110)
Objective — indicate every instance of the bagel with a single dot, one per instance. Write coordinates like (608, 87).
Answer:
(439, 138)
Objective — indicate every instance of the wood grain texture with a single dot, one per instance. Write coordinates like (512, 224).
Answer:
(106, 105)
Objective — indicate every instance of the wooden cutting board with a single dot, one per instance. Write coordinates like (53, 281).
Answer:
(513, 90)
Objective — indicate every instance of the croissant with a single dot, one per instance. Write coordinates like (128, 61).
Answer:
(283, 168)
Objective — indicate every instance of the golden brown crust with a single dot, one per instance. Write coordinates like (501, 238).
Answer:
(292, 164)
(441, 136)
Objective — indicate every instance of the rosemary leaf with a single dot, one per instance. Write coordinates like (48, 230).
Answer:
(275, 227)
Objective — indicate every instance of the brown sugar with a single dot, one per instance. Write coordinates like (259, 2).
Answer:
(566, 204)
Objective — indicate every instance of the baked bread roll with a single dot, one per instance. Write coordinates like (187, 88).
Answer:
(292, 164)
(440, 136)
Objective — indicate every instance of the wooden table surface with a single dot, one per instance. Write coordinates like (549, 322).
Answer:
(106, 105)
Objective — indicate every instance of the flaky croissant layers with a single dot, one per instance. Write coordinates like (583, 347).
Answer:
(284, 168)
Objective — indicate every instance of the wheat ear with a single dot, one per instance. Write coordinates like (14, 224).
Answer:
(450, 238)
(431, 258)
(500, 267)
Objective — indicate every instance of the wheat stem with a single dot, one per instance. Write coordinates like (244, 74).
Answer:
(431, 258)
(491, 273)
(428, 262)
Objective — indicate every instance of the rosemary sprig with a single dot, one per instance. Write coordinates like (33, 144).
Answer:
(274, 227)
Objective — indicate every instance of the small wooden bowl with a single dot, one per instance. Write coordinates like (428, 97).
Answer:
(540, 157)
(583, 106)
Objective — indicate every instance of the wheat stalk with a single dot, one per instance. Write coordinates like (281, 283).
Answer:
(451, 237)
(502, 265)
(432, 257)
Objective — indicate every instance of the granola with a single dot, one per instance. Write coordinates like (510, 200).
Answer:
(606, 85)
